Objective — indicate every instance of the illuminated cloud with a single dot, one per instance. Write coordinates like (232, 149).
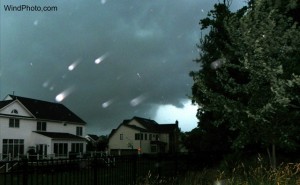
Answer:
(186, 115)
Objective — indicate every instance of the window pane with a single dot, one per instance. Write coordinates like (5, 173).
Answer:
(16, 150)
(17, 123)
(73, 147)
(81, 147)
(79, 131)
(137, 136)
(56, 148)
(11, 123)
(141, 135)
(65, 148)
(4, 149)
(45, 151)
(38, 126)
(44, 125)
(60, 148)
(10, 149)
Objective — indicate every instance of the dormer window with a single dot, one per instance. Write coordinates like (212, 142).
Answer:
(14, 111)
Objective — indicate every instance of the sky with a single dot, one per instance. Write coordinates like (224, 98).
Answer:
(106, 60)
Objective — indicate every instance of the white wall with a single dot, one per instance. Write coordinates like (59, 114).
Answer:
(23, 132)
(31, 138)
(128, 137)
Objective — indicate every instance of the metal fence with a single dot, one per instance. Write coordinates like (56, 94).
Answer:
(97, 170)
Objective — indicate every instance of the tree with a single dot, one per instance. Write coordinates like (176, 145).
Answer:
(250, 82)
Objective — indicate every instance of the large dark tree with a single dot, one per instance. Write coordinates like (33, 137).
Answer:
(249, 77)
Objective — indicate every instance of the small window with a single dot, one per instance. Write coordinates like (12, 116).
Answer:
(79, 131)
(121, 136)
(137, 136)
(14, 111)
(150, 136)
(41, 126)
(146, 136)
(142, 136)
(14, 123)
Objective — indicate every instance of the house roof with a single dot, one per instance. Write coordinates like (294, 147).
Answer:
(149, 126)
(46, 110)
(4, 103)
(93, 137)
(153, 126)
(60, 136)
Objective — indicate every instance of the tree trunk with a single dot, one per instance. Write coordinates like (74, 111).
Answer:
(272, 157)
(273, 165)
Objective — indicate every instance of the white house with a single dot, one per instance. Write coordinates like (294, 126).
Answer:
(46, 127)
(140, 135)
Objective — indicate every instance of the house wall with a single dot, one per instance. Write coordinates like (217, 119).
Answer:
(23, 132)
(64, 127)
(36, 139)
(31, 138)
(128, 138)
(145, 144)
(165, 138)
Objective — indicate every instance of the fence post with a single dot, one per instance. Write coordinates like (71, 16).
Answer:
(94, 166)
(25, 171)
(134, 169)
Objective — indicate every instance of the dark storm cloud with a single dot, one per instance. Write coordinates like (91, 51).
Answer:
(147, 49)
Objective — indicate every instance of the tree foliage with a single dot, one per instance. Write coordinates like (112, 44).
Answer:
(250, 72)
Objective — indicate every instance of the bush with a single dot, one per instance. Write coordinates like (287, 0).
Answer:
(255, 172)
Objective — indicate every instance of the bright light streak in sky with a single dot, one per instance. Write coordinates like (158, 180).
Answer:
(61, 96)
(73, 65)
(107, 104)
(100, 59)
(137, 100)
